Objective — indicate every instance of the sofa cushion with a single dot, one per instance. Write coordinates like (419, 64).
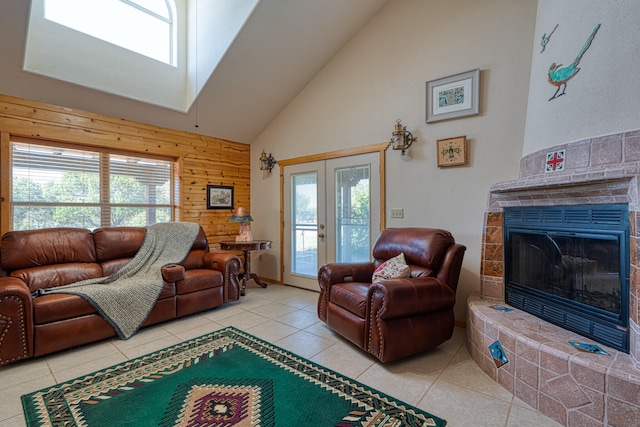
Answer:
(51, 276)
(118, 242)
(194, 259)
(111, 266)
(55, 307)
(420, 271)
(33, 248)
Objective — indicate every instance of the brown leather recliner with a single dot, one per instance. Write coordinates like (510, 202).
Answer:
(395, 318)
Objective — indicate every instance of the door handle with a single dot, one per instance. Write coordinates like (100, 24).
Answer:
(321, 235)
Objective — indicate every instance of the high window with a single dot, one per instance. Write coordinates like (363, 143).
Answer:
(147, 27)
(66, 186)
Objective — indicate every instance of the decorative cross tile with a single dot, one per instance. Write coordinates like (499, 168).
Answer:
(555, 161)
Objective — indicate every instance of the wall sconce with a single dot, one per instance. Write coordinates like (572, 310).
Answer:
(242, 216)
(401, 138)
(267, 163)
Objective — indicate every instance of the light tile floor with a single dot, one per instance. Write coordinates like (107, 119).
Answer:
(444, 381)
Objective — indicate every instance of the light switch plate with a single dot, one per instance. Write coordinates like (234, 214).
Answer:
(397, 213)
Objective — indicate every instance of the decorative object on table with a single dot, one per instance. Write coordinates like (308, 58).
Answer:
(453, 96)
(502, 308)
(401, 138)
(267, 163)
(219, 197)
(242, 216)
(498, 355)
(226, 377)
(588, 348)
(452, 151)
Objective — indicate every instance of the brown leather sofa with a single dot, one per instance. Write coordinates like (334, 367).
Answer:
(395, 318)
(35, 259)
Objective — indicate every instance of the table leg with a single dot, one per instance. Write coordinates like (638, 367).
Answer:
(248, 275)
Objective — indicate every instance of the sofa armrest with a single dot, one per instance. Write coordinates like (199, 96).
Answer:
(390, 299)
(229, 265)
(330, 274)
(16, 320)
(172, 273)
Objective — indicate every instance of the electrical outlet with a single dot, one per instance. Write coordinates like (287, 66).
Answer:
(397, 213)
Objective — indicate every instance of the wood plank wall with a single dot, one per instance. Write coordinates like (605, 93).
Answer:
(202, 160)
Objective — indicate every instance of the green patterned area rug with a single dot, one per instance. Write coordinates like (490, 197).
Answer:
(222, 379)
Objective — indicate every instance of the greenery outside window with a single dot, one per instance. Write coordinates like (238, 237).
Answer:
(65, 186)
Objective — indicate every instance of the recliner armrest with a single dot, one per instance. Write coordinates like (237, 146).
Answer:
(330, 274)
(342, 273)
(449, 273)
(408, 297)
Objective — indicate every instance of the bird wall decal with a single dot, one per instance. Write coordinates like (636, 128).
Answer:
(545, 38)
(559, 76)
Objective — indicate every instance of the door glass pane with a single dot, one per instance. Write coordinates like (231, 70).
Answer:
(304, 223)
(352, 214)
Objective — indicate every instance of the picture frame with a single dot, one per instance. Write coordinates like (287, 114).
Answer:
(454, 96)
(452, 151)
(219, 197)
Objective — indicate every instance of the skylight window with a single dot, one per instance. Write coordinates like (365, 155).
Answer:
(147, 27)
(145, 50)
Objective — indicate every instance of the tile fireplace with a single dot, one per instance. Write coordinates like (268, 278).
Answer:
(575, 388)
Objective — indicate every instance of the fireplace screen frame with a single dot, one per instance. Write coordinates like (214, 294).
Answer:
(607, 222)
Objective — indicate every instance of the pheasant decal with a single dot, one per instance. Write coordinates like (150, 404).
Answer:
(559, 76)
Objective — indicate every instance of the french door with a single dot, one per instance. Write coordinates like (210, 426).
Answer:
(331, 214)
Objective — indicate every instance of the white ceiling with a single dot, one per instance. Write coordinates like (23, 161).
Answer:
(283, 45)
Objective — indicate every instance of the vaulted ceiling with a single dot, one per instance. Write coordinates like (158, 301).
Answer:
(281, 47)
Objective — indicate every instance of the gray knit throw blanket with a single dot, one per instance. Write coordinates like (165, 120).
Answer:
(126, 298)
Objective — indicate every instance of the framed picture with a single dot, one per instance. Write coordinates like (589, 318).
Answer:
(453, 96)
(452, 151)
(219, 197)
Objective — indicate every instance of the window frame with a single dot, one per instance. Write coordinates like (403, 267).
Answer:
(104, 204)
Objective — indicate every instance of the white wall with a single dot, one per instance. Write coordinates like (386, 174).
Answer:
(602, 98)
(380, 77)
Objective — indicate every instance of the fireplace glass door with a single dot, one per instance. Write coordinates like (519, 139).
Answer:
(569, 265)
(581, 268)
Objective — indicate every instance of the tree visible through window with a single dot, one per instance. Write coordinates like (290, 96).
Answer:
(55, 186)
(147, 27)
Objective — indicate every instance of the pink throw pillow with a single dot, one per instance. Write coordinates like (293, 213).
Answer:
(394, 268)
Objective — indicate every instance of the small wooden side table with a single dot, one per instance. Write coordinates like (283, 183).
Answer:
(246, 248)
